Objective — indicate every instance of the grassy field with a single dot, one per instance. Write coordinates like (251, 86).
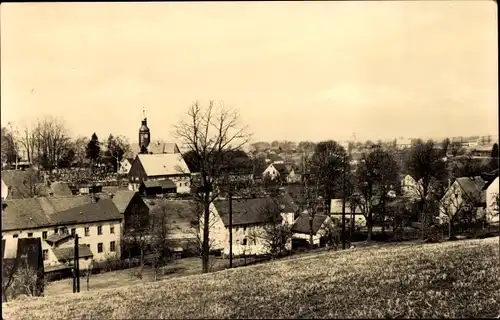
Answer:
(447, 280)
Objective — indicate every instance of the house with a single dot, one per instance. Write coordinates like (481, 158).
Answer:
(276, 170)
(409, 187)
(125, 166)
(294, 173)
(18, 254)
(5, 190)
(250, 220)
(154, 188)
(402, 143)
(97, 222)
(352, 212)
(464, 194)
(301, 228)
(492, 202)
(132, 207)
(160, 167)
(21, 183)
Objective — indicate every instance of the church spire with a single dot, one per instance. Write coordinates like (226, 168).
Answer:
(144, 134)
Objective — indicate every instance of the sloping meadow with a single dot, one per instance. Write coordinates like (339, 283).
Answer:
(448, 280)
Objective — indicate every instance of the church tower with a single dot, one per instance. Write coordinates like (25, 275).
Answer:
(144, 135)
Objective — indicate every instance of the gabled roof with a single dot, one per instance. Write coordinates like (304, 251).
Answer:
(68, 253)
(473, 188)
(60, 189)
(32, 213)
(102, 210)
(163, 164)
(280, 167)
(122, 199)
(156, 147)
(303, 224)
(56, 237)
(250, 211)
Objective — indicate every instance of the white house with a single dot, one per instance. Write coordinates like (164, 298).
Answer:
(54, 220)
(409, 187)
(352, 212)
(321, 225)
(464, 194)
(250, 220)
(5, 190)
(402, 143)
(492, 204)
(276, 170)
(294, 174)
(160, 167)
(125, 166)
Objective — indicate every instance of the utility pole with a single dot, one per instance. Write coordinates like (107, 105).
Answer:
(230, 227)
(76, 279)
(343, 203)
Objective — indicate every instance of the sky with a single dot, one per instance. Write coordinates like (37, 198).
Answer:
(294, 70)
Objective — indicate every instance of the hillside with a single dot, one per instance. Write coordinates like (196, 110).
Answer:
(450, 280)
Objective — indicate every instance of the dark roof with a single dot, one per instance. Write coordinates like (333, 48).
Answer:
(102, 210)
(68, 253)
(20, 182)
(122, 199)
(37, 212)
(56, 237)
(473, 188)
(60, 189)
(281, 167)
(164, 184)
(303, 225)
(249, 211)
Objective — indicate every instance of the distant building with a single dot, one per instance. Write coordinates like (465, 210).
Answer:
(465, 194)
(321, 224)
(276, 170)
(402, 143)
(125, 166)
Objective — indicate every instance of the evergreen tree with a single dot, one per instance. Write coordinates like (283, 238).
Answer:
(494, 157)
(93, 149)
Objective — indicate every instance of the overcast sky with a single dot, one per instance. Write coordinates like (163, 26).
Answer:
(295, 70)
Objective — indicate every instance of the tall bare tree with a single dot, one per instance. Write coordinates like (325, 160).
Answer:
(210, 132)
(159, 238)
(427, 167)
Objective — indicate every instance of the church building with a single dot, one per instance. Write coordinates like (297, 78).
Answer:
(163, 168)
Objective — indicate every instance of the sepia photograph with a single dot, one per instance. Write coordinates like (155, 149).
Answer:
(250, 160)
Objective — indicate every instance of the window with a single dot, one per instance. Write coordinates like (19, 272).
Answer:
(56, 230)
(64, 230)
(88, 245)
(45, 254)
(44, 235)
(245, 242)
(30, 234)
(15, 235)
(99, 247)
(73, 231)
(63, 261)
(87, 231)
(112, 246)
(111, 229)
(99, 230)
(244, 229)
(254, 241)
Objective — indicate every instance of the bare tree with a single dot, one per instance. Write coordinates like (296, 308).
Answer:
(426, 166)
(138, 236)
(209, 133)
(276, 233)
(159, 240)
(21, 279)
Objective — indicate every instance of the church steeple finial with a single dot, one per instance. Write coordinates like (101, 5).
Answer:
(144, 112)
